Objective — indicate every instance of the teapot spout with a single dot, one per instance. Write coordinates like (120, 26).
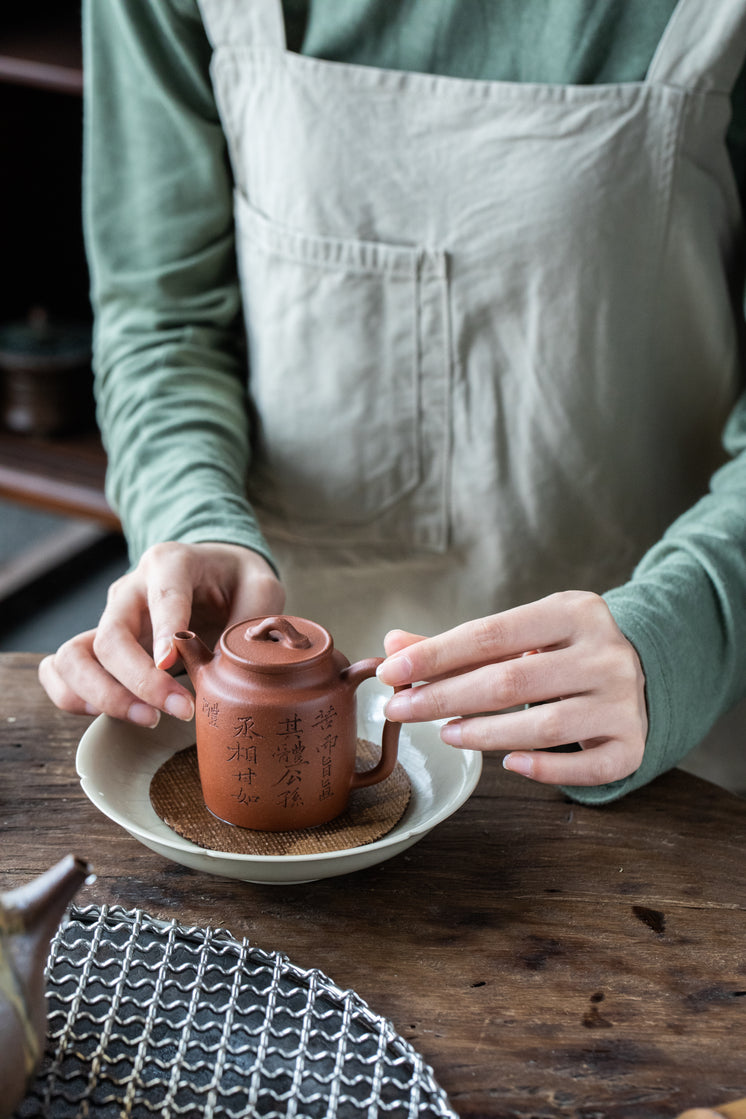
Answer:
(29, 917)
(193, 652)
(40, 905)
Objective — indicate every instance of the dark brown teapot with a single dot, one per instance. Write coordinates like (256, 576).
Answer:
(276, 723)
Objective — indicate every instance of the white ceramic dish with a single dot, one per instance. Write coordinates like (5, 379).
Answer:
(116, 762)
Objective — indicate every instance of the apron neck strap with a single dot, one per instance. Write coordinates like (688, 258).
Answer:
(265, 20)
(703, 47)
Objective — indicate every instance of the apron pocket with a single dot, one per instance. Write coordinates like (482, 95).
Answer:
(348, 373)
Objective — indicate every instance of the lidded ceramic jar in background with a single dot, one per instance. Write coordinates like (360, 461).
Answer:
(46, 385)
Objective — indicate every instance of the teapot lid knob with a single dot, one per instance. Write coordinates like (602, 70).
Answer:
(278, 642)
(278, 628)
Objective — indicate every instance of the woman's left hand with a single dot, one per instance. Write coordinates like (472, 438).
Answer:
(584, 681)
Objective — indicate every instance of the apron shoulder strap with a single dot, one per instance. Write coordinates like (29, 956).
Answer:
(703, 47)
(260, 22)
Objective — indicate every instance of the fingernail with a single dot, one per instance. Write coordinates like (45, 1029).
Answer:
(398, 708)
(180, 706)
(91, 710)
(395, 670)
(452, 734)
(519, 763)
(144, 715)
(161, 651)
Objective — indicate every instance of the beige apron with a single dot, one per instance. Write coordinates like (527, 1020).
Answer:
(493, 327)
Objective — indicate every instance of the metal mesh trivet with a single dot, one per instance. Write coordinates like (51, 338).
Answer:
(148, 1018)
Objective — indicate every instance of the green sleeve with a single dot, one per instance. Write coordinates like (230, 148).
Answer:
(684, 610)
(158, 216)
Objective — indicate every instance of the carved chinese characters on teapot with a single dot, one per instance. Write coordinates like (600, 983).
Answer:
(277, 725)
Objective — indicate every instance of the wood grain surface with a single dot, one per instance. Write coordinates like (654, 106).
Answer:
(546, 959)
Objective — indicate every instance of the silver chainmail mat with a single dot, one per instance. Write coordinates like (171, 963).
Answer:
(151, 1018)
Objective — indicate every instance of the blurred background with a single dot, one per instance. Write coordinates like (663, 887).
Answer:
(59, 542)
(55, 572)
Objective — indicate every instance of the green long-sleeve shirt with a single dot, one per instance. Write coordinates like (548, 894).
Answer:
(171, 380)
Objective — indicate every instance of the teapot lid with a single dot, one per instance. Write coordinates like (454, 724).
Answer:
(277, 642)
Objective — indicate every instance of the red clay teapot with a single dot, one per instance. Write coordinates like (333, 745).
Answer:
(276, 723)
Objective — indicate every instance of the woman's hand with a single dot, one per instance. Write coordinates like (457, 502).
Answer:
(585, 679)
(120, 667)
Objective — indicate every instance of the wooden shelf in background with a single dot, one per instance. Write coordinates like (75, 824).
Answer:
(57, 475)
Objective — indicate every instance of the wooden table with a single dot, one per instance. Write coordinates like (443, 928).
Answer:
(546, 959)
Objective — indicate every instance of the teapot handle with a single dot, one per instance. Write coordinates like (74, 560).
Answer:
(278, 624)
(354, 674)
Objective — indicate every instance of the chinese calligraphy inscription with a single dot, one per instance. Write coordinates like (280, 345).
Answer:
(276, 724)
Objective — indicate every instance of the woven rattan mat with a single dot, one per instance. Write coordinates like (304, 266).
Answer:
(176, 796)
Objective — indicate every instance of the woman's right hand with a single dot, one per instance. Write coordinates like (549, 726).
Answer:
(120, 668)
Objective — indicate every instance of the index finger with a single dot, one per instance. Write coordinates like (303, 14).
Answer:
(522, 629)
(117, 647)
(170, 593)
